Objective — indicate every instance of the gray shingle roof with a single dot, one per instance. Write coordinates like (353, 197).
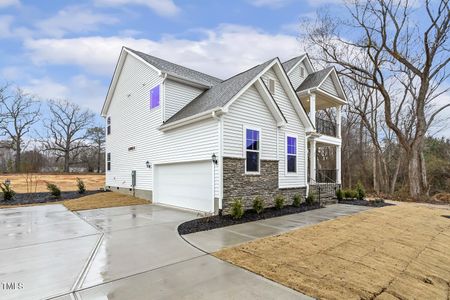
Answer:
(314, 79)
(289, 64)
(177, 70)
(219, 94)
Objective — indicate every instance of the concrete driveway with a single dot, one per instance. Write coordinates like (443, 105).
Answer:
(135, 252)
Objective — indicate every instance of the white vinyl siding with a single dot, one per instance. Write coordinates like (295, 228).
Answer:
(295, 77)
(249, 110)
(293, 126)
(177, 95)
(328, 86)
(135, 125)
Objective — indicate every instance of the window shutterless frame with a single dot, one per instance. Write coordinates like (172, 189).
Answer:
(252, 149)
(291, 154)
(108, 125)
(108, 161)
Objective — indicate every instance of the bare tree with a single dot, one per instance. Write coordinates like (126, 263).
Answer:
(66, 130)
(389, 51)
(97, 137)
(19, 113)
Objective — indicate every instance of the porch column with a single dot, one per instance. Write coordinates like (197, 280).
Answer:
(338, 164)
(338, 121)
(312, 108)
(312, 161)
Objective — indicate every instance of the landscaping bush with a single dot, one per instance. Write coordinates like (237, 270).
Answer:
(297, 200)
(81, 186)
(339, 194)
(8, 193)
(279, 202)
(237, 209)
(258, 205)
(53, 189)
(360, 192)
(310, 199)
(349, 194)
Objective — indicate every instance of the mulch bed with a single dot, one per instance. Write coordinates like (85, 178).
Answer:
(372, 203)
(213, 222)
(32, 198)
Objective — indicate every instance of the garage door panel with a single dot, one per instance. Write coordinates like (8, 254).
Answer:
(186, 185)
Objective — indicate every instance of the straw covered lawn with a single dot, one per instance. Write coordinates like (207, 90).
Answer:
(103, 200)
(395, 252)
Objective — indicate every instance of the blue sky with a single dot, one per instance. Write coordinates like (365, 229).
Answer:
(68, 49)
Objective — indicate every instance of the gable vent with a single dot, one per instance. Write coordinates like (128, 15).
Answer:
(272, 86)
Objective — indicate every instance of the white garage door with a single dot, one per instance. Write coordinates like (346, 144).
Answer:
(187, 185)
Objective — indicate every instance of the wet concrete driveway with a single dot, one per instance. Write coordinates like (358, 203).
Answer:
(133, 252)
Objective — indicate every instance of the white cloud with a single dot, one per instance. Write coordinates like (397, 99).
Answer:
(74, 19)
(11, 73)
(6, 3)
(162, 7)
(5, 26)
(79, 89)
(270, 3)
(222, 52)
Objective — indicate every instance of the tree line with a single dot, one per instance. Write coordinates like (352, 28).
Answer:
(53, 135)
(393, 58)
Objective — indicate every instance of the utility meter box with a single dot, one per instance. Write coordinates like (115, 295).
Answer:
(133, 178)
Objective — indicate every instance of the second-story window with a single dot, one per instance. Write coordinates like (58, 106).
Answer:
(108, 126)
(154, 97)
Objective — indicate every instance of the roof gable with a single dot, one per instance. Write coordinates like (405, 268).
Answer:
(322, 80)
(291, 64)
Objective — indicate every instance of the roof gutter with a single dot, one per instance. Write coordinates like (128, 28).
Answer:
(212, 113)
(185, 81)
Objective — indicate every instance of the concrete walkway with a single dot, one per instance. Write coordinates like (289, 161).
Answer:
(213, 240)
(135, 252)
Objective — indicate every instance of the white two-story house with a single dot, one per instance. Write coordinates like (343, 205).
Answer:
(183, 138)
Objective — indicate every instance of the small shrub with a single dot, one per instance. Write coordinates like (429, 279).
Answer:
(8, 193)
(349, 194)
(310, 199)
(279, 202)
(360, 192)
(339, 194)
(81, 186)
(237, 209)
(297, 200)
(258, 205)
(54, 190)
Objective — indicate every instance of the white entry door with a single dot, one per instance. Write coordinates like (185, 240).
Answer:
(188, 185)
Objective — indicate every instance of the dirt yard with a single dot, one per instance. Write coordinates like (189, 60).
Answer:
(66, 182)
(396, 252)
(98, 200)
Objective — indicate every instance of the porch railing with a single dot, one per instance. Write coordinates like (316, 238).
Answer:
(326, 176)
(325, 127)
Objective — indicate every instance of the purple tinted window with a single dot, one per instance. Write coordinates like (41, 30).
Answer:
(252, 139)
(291, 145)
(154, 97)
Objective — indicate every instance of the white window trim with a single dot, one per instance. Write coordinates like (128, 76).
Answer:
(108, 124)
(286, 173)
(302, 69)
(160, 98)
(108, 160)
(244, 148)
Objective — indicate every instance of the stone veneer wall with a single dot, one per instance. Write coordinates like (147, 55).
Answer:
(237, 184)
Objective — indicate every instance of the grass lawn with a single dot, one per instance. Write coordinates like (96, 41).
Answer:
(99, 200)
(66, 182)
(396, 252)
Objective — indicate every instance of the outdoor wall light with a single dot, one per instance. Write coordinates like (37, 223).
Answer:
(214, 158)
(148, 164)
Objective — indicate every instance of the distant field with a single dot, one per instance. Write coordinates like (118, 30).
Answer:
(66, 182)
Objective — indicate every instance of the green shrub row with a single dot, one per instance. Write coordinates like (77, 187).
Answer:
(357, 193)
(55, 191)
(237, 208)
